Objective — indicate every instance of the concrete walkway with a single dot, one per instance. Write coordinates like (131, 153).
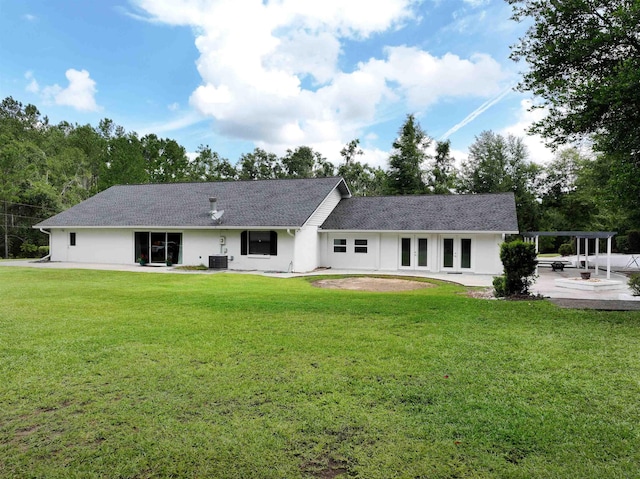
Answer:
(545, 284)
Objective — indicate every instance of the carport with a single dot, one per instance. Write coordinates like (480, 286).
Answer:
(532, 237)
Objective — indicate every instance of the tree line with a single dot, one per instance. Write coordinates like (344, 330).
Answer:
(48, 168)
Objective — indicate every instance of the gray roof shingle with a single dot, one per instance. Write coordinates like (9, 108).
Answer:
(486, 212)
(245, 203)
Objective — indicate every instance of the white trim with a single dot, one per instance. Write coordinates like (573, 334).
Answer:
(447, 232)
(176, 228)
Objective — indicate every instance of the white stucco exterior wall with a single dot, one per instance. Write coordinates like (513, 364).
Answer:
(304, 252)
(487, 254)
(280, 262)
(350, 259)
(384, 251)
(306, 249)
(111, 246)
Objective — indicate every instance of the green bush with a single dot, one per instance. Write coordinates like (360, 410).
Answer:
(499, 287)
(633, 239)
(519, 262)
(634, 284)
(566, 249)
(43, 251)
(29, 250)
(622, 244)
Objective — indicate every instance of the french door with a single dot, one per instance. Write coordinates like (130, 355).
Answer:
(456, 254)
(414, 252)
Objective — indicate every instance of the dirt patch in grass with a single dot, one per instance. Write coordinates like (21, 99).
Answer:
(325, 468)
(372, 284)
(485, 293)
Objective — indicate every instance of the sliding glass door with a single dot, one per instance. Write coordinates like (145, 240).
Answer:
(158, 247)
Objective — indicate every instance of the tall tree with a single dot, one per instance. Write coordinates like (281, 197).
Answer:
(123, 163)
(259, 165)
(567, 199)
(21, 129)
(584, 64)
(165, 160)
(404, 176)
(442, 177)
(208, 166)
(497, 164)
(363, 180)
(303, 162)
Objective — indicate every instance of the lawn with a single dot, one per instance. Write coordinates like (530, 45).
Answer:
(134, 375)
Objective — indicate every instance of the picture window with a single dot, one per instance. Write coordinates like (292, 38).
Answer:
(260, 243)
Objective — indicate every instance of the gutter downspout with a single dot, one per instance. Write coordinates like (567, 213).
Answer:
(293, 235)
(47, 257)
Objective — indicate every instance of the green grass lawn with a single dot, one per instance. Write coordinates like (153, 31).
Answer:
(134, 375)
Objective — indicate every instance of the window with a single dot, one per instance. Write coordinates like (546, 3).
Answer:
(264, 243)
(72, 239)
(361, 246)
(339, 245)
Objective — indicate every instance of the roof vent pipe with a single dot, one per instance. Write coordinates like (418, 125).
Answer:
(214, 202)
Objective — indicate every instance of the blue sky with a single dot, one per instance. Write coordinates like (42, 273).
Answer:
(236, 74)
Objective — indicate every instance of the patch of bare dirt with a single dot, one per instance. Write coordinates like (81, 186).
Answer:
(486, 293)
(372, 284)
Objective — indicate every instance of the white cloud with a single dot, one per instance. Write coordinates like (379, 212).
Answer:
(33, 86)
(79, 94)
(538, 152)
(477, 3)
(271, 71)
(425, 79)
(175, 106)
(179, 123)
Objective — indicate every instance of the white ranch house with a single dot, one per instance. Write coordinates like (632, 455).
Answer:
(294, 225)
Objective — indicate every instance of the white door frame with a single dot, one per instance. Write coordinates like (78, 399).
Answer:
(416, 262)
(457, 252)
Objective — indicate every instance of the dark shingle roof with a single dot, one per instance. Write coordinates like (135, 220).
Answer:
(245, 203)
(487, 212)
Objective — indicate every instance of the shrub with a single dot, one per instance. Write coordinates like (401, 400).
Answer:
(622, 244)
(566, 249)
(519, 262)
(634, 284)
(499, 287)
(633, 239)
(29, 250)
(43, 251)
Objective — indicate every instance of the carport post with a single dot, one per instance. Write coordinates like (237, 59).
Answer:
(608, 257)
(597, 251)
(586, 254)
